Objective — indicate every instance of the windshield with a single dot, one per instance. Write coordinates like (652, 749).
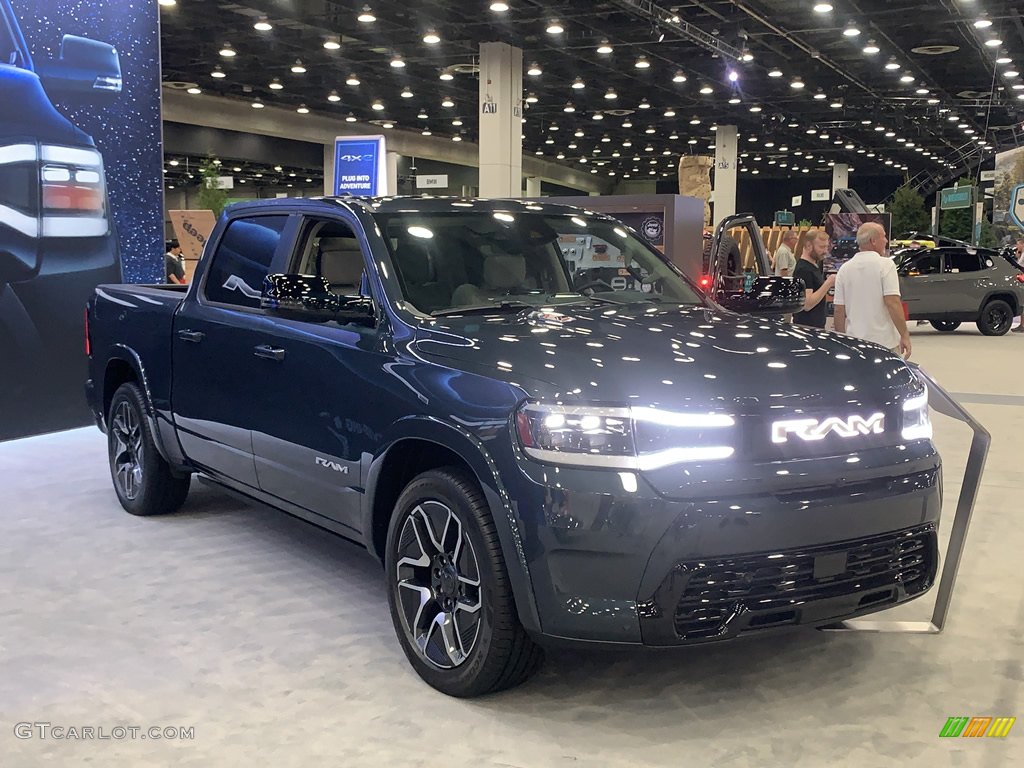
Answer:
(466, 260)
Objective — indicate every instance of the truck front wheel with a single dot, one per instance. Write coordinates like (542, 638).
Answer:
(142, 479)
(449, 592)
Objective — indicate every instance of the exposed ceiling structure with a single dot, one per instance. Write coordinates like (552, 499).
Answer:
(624, 87)
(184, 170)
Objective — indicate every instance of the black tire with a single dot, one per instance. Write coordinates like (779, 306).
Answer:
(946, 326)
(499, 653)
(996, 318)
(142, 479)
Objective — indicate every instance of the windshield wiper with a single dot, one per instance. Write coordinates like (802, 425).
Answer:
(498, 306)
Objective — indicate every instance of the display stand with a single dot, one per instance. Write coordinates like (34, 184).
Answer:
(943, 402)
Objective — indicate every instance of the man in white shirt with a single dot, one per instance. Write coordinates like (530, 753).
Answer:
(785, 260)
(868, 303)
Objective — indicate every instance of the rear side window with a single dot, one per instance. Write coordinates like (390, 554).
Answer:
(242, 260)
(962, 261)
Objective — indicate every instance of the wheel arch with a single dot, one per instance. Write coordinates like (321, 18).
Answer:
(124, 367)
(420, 444)
(1003, 295)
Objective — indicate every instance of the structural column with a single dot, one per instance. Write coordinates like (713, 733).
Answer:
(501, 112)
(392, 172)
(840, 177)
(725, 172)
(532, 186)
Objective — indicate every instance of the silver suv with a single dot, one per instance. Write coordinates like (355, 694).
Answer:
(957, 283)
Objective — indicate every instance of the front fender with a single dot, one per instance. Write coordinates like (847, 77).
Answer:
(474, 453)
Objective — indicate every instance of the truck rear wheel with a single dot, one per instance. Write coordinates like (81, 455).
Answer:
(449, 592)
(142, 479)
(946, 326)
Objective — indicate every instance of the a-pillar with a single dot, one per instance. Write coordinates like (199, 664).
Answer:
(725, 172)
(501, 112)
(840, 177)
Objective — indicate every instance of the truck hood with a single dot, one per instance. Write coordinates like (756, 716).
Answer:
(669, 357)
(35, 118)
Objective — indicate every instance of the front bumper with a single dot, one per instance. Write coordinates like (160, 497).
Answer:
(611, 564)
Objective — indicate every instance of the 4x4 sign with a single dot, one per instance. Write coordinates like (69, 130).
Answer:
(1016, 212)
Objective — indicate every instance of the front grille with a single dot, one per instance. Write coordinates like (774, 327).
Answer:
(770, 588)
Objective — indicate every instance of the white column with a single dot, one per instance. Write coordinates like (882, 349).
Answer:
(532, 186)
(392, 169)
(840, 177)
(725, 172)
(501, 112)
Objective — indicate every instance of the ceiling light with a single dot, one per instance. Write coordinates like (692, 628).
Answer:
(746, 56)
(775, 72)
(352, 80)
(982, 23)
(531, 98)
(694, 120)
(823, 7)
(933, 101)
(679, 77)
(257, 104)
(366, 17)
(836, 104)
(168, 2)
(298, 67)
(735, 100)
(384, 125)
(397, 61)
(907, 78)
(706, 90)
(733, 75)
(431, 38)
(302, 109)
(446, 75)
(456, 138)
(579, 134)
(227, 51)
(755, 108)
(194, 91)
(1004, 60)
(605, 47)
(406, 93)
(851, 30)
(535, 70)
(350, 118)
(263, 25)
(218, 72)
(275, 85)
(332, 44)
(377, 106)
(644, 104)
(555, 28)
(457, 122)
(892, 65)
(820, 95)
(611, 94)
(499, 7)
(1011, 73)
(797, 84)
(993, 42)
(642, 63)
(598, 116)
(670, 113)
(921, 91)
(448, 103)
(569, 108)
(578, 83)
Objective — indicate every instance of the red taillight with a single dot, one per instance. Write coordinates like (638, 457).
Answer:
(705, 282)
(88, 341)
(63, 196)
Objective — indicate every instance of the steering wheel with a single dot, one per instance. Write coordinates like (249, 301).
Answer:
(593, 284)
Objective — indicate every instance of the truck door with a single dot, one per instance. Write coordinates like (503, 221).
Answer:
(322, 405)
(215, 380)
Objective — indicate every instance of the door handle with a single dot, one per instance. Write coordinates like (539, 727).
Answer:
(194, 336)
(268, 352)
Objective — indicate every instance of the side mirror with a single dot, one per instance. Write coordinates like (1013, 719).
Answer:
(309, 298)
(87, 70)
(766, 296)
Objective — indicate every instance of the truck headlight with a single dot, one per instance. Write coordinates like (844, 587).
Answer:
(628, 438)
(917, 424)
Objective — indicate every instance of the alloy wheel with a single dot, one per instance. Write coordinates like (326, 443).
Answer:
(126, 450)
(438, 585)
(998, 318)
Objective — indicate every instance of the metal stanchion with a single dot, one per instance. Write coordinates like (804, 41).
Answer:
(940, 400)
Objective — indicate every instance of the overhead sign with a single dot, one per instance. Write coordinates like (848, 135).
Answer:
(359, 166)
(987, 176)
(797, 200)
(1016, 212)
(437, 181)
(956, 197)
(818, 195)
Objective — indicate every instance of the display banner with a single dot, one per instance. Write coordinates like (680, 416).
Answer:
(842, 232)
(650, 226)
(192, 229)
(80, 83)
(359, 166)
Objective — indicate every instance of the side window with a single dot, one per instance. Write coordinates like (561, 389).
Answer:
(925, 264)
(242, 260)
(962, 261)
(330, 249)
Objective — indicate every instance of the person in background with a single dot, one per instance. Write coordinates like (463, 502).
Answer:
(1018, 254)
(174, 263)
(868, 303)
(816, 285)
(785, 259)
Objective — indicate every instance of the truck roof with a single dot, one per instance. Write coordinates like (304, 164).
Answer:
(417, 204)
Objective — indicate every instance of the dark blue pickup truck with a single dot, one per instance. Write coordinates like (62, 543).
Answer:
(535, 454)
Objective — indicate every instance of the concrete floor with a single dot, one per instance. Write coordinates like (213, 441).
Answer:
(273, 639)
